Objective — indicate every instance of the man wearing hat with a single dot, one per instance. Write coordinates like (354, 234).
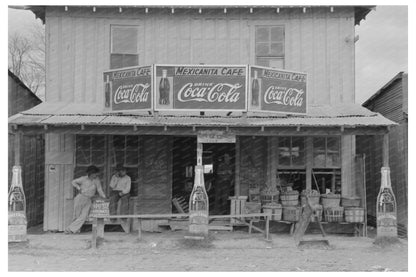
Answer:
(87, 186)
(120, 184)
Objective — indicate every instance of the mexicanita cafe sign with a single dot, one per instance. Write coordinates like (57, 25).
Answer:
(205, 88)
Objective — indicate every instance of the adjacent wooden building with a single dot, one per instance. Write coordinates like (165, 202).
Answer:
(392, 102)
(32, 151)
(158, 148)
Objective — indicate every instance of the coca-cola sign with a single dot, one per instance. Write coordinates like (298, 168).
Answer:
(200, 87)
(277, 90)
(128, 89)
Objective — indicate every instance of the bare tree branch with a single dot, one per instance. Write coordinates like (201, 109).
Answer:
(27, 57)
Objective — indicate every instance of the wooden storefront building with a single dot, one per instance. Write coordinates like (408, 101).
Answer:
(158, 147)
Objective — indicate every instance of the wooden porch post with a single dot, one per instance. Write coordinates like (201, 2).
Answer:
(237, 167)
(386, 150)
(309, 162)
(273, 161)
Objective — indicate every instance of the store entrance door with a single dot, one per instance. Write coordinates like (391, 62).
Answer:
(219, 174)
(218, 160)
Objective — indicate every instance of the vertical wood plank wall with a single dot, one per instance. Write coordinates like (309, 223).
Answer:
(59, 170)
(318, 42)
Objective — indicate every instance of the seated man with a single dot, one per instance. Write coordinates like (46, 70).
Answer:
(120, 190)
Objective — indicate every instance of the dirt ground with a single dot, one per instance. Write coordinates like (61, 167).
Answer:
(227, 251)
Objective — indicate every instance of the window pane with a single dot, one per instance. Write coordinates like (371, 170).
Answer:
(83, 157)
(262, 34)
(119, 157)
(98, 157)
(277, 34)
(98, 142)
(333, 160)
(318, 160)
(284, 151)
(132, 157)
(298, 158)
(124, 40)
(276, 49)
(132, 142)
(130, 60)
(298, 148)
(333, 144)
(262, 62)
(276, 63)
(119, 142)
(298, 142)
(83, 142)
(319, 144)
(116, 61)
(284, 142)
(284, 158)
(262, 49)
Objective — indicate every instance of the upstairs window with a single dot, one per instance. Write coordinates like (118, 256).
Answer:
(270, 46)
(124, 46)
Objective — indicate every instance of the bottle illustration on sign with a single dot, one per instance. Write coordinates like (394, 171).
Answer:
(164, 88)
(107, 92)
(255, 90)
(17, 207)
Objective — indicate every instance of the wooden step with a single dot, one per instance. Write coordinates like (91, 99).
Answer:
(220, 228)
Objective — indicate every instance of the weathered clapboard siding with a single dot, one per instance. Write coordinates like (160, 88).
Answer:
(318, 42)
(391, 102)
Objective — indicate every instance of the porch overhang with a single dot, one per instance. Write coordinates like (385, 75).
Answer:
(79, 118)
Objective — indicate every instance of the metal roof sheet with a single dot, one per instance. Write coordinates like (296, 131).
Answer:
(82, 113)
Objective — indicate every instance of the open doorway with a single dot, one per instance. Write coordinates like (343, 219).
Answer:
(219, 172)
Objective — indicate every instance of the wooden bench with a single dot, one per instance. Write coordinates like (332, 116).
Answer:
(99, 223)
(239, 218)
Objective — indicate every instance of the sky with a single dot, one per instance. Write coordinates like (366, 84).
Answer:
(381, 51)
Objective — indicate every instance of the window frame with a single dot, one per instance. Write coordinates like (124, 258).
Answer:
(270, 57)
(292, 165)
(327, 152)
(137, 54)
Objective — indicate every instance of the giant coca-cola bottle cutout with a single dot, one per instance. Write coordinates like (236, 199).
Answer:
(17, 208)
(386, 207)
(107, 92)
(198, 204)
(255, 90)
(164, 88)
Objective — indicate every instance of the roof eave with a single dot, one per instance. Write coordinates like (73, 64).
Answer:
(380, 91)
(360, 12)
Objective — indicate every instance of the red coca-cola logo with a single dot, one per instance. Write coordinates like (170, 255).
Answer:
(221, 92)
(284, 96)
(137, 93)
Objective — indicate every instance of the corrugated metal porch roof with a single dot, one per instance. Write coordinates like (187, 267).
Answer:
(91, 114)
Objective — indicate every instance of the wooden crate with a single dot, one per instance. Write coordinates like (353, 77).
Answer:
(252, 208)
(238, 204)
(17, 233)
